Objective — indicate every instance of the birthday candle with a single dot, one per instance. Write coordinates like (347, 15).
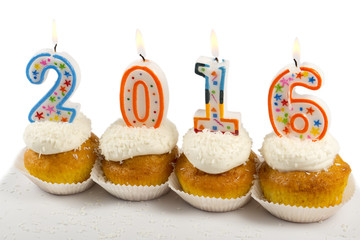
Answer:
(291, 115)
(214, 117)
(144, 94)
(54, 106)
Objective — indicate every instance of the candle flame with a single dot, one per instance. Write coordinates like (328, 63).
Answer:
(296, 51)
(140, 43)
(214, 44)
(54, 34)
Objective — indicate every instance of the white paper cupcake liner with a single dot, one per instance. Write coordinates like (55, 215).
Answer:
(302, 214)
(209, 204)
(127, 192)
(53, 188)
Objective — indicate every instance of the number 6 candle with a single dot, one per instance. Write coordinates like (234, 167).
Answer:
(51, 107)
(293, 116)
(214, 72)
(144, 94)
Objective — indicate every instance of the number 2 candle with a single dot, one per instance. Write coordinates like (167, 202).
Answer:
(144, 94)
(291, 115)
(53, 106)
(214, 117)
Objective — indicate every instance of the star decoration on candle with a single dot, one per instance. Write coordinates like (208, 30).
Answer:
(50, 109)
(62, 89)
(52, 99)
(284, 102)
(62, 66)
(67, 74)
(285, 121)
(277, 97)
(284, 82)
(278, 88)
(317, 123)
(35, 73)
(67, 82)
(39, 115)
(286, 130)
(315, 131)
(37, 66)
(310, 110)
(312, 79)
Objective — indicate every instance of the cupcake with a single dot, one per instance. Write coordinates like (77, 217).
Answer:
(302, 177)
(302, 172)
(136, 162)
(216, 170)
(139, 150)
(60, 152)
(216, 165)
(138, 156)
(60, 148)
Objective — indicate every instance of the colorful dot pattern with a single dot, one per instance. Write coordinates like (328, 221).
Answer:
(153, 96)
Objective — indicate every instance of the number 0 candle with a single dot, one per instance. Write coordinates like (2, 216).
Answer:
(214, 117)
(53, 106)
(144, 92)
(291, 115)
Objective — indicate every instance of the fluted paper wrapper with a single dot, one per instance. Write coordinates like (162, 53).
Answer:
(302, 214)
(209, 204)
(53, 188)
(127, 192)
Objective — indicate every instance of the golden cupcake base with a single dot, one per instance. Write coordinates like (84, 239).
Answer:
(302, 214)
(53, 188)
(307, 189)
(68, 167)
(145, 170)
(234, 183)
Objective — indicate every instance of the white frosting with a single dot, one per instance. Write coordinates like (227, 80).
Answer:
(49, 137)
(294, 154)
(120, 142)
(216, 152)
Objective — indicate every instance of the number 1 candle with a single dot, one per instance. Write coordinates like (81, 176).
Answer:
(144, 94)
(52, 107)
(293, 116)
(214, 117)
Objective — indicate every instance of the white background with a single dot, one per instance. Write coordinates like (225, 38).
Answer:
(255, 36)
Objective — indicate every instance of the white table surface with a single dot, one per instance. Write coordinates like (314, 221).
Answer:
(26, 212)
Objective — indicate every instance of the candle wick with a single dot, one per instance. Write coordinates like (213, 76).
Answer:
(216, 59)
(55, 47)
(142, 57)
(295, 62)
